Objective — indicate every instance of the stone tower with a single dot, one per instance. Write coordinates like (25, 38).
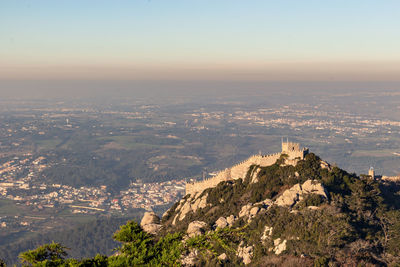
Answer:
(371, 172)
(293, 150)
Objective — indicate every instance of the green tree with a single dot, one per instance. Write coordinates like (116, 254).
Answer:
(168, 250)
(47, 255)
(137, 244)
(97, 261)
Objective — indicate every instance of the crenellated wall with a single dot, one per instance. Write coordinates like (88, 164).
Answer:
(235, 172)
(240, 170)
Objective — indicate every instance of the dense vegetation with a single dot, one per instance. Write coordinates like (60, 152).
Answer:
(85, 240)
(138, 248)
(359, 224)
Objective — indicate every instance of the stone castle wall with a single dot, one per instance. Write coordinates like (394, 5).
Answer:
(240, 170)
(237, 171)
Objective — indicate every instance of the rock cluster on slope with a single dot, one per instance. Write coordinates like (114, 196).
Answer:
(191, 204)
(223, 222)
(297, 193)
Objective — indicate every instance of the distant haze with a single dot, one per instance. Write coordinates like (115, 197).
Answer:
(200, 40)
(191, 89)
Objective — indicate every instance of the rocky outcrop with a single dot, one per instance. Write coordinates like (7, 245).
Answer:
(190, 259)
(245, 210)
(250, 211)
(254, 174)
(325, 165)
(289, 196)
(265, 203)
(297, 192)
(191, 204)
(231, 219)
(267, 233)
(314, 188)
(196, 228)
(151, 223)
(223, 257)
(149, 218)
(223, 222)
(280, 246)
(152, 228)
(245, 252)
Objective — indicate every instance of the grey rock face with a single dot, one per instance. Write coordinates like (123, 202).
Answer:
(196, 228)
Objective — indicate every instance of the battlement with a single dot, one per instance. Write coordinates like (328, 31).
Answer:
(240, 169)
(293, 150)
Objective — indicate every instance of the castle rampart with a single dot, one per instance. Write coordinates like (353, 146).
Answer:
(240, 170)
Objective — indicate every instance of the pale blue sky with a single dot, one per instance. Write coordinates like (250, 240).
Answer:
(154, 38)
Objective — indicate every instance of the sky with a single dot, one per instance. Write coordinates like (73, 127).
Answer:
(200, 39)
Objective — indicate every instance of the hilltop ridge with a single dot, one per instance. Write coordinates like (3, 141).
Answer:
(296, 211)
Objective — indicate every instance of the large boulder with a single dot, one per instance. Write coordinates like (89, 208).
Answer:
(186, 208)
(309, 187)
(265, 203)
(223, 257)
(149, 218)
(289, 196)
(325, 165)
(196, 228)
(151, 223)
(249, 211)
(221, 223)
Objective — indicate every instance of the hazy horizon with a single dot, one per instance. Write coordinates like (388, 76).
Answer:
(200, 40)
(37, 89)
